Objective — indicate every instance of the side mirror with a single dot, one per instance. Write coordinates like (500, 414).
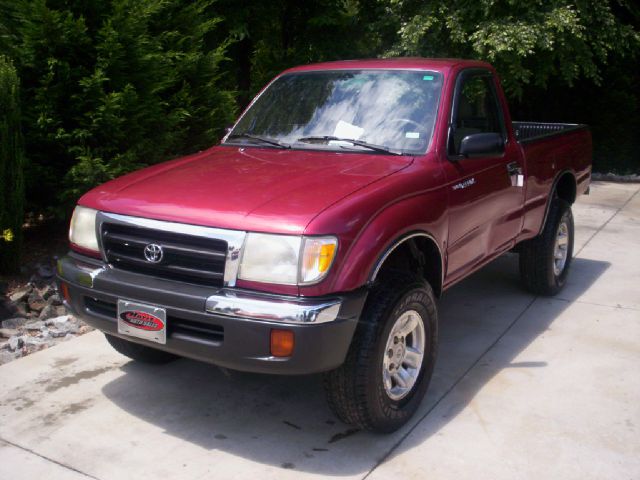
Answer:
(482, 144)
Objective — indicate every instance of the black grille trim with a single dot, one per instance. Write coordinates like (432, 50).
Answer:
(177, 327)
(187, 258)
(100, 307)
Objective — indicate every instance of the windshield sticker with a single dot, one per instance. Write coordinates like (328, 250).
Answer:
(428, 77)
(346, 130)
(412, 135)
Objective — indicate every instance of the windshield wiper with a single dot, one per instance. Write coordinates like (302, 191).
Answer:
(328, 138)
(260, 139)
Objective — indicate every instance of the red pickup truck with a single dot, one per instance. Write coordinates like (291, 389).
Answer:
(317, 236)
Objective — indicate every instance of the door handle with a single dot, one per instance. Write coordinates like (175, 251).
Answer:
(514, 168)
(515, 174)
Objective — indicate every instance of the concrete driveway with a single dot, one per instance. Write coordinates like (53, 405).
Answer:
(525, 387)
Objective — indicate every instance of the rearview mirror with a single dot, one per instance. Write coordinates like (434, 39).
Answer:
(482, 144)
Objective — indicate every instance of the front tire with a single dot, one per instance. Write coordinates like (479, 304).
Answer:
(545, 259)
(391, 359)
(140, 353)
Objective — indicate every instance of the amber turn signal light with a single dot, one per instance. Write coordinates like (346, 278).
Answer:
(65, 292)
(282, 343)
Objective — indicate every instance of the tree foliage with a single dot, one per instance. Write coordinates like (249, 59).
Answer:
(528, 42)
(113, 85)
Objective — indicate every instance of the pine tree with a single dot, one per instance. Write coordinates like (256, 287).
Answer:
(11, 169)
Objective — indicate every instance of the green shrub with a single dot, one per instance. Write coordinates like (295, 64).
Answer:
(112, 86)
(11, 169)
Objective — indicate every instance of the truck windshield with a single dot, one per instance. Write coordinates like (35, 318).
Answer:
(380, 110)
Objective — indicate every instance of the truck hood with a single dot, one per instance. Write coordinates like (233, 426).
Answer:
(257, 189)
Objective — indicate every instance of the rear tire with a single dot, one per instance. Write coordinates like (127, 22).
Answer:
(367, 391)
(545, 259)
(139, 352)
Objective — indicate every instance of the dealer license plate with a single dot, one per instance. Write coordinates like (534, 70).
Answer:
(142, 321)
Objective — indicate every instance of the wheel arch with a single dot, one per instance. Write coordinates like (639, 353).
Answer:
(417, 249)
(564, 186)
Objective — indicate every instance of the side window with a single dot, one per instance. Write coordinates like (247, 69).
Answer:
(476, 110)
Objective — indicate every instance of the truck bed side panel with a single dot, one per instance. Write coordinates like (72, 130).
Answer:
(547, 158)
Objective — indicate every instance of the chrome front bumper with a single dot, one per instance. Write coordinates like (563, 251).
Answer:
(272, 309)
(226, 302)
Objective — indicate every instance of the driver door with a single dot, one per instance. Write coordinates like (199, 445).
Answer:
(485, 192)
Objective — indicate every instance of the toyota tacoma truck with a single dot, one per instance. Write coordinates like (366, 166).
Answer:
(318, 234)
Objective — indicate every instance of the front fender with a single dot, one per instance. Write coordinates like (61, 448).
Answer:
(368, 222)
(421, 213)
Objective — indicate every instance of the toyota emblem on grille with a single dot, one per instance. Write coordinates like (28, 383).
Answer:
(153, 253)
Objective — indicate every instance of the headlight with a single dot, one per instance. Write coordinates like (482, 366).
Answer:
(286, 259)
(82, 231)
(270, 258)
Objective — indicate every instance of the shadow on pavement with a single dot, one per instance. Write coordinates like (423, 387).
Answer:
(285, 422)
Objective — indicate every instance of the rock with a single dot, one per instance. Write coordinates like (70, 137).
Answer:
(61, 310)
(21, 293)
(7, 356)
(59, 320)
(8, 332)
(37, 325)
(54, 300)
(47, 312)
(61, 326)
(33, 344)
(16, 343)
(84, 329)
(45, 271)
(20, 309)
(47, 292)
(36, 302)
(14, 322)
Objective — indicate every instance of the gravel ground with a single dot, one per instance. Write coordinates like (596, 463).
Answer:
(612, 177)
(32, 316)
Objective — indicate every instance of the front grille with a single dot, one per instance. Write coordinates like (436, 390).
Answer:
(186, 258)
(100, 307)
(177, 327)
(190, 330)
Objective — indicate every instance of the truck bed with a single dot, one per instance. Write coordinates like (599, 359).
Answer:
(530, 131)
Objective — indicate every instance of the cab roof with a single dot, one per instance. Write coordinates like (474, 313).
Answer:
(401, 63)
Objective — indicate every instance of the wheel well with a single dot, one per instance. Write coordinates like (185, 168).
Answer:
(566, 187)
(417, 254)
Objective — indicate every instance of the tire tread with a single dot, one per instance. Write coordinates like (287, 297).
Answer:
(536, 271)
(347, 387)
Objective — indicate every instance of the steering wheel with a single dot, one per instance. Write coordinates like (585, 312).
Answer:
(406, 120)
